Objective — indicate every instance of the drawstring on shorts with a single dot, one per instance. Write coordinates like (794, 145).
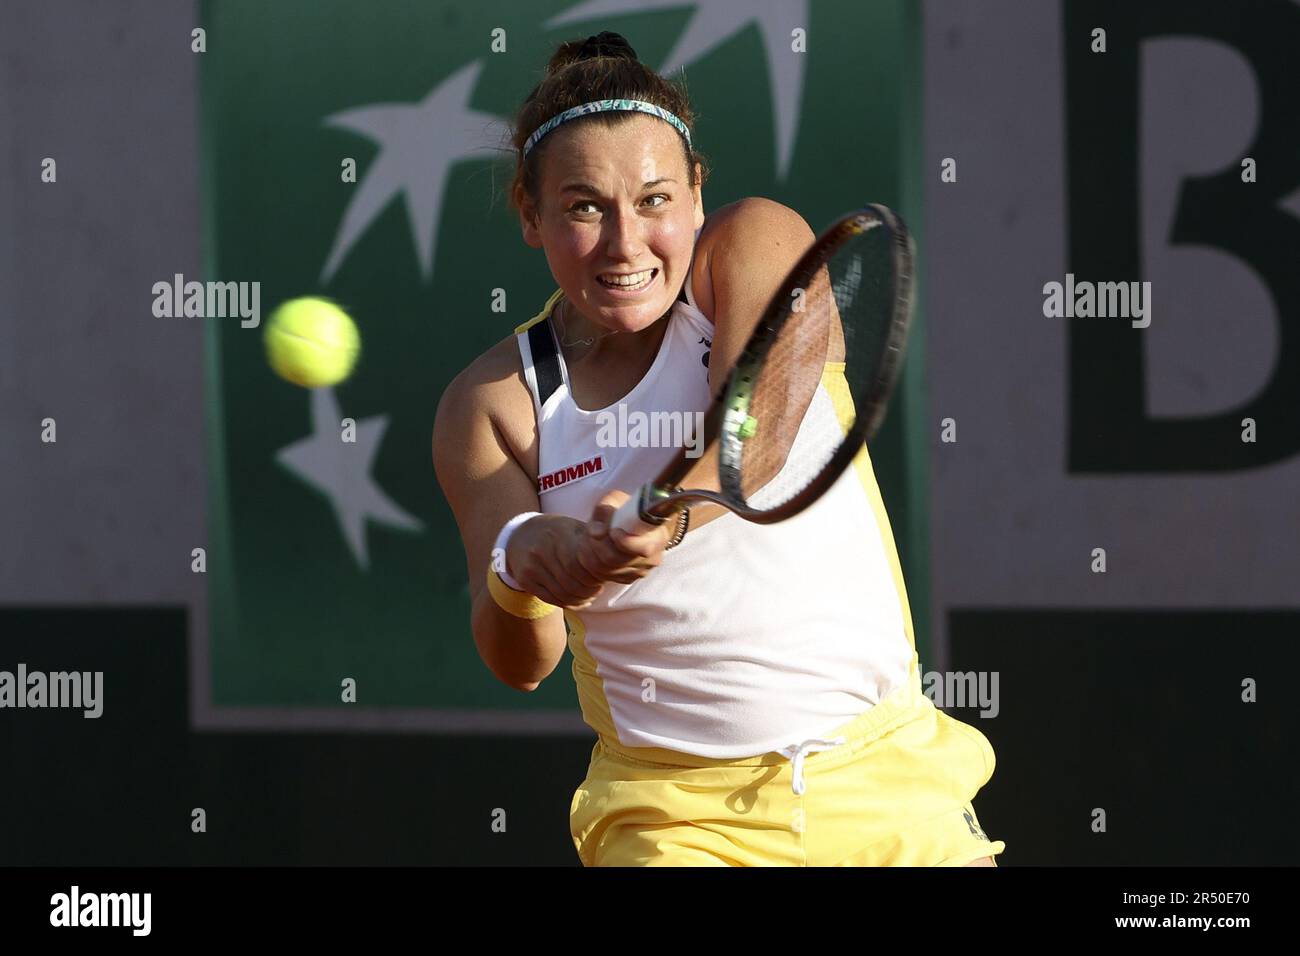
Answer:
(796, 752)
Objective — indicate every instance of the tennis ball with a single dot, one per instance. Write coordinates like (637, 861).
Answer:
(312, 342)
(747, 428)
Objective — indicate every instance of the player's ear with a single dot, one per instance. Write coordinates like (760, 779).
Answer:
(697, 195)
(528, 213)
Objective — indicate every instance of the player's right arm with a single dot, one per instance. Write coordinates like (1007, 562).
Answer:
(484, 455)
(486, 487)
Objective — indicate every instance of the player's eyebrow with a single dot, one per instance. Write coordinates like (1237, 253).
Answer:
(588, 188)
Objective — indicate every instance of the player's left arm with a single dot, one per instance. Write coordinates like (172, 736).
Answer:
(753, 245)
(756, 243)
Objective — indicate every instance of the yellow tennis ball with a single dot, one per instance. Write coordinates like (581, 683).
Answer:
(312, 342)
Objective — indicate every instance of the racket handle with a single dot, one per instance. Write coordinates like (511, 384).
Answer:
(628, 517)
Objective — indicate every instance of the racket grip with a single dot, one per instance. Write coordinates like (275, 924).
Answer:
(628, 517)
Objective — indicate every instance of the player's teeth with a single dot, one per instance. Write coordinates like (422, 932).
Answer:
(633, 280)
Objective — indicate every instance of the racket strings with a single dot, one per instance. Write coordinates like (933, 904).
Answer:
(823, 370)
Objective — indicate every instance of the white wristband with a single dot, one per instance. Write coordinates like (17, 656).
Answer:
(499, 549)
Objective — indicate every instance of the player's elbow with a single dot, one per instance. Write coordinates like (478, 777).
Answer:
(501, 673)
(513, 682)
(493, 650)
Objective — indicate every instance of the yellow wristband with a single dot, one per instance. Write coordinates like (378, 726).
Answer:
(519, 603)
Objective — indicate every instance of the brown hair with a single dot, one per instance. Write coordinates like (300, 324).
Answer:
(601, 67)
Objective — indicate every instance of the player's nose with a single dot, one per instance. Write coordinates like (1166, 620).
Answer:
(625, 246)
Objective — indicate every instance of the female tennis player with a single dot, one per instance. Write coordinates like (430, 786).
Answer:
(754, 689)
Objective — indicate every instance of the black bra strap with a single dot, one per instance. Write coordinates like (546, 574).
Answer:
(546, 360)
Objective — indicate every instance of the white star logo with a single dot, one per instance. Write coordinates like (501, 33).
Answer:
(715, 21)
(418, 146)
(341, 470)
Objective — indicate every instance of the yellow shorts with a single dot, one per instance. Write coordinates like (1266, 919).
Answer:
(897, 792)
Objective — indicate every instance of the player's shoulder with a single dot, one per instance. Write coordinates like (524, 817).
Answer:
(754, 233)
(492, 387)
(740, 236)
(753, 219)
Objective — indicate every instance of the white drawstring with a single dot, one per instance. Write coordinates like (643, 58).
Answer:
(796, 752)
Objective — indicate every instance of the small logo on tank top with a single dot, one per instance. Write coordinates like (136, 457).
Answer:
(571, 473)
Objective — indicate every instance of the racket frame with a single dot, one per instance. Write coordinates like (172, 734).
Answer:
(660, 499)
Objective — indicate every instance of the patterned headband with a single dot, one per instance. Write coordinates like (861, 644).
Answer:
(601, 106)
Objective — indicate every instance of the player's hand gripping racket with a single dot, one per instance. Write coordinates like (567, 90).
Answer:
(782, 440)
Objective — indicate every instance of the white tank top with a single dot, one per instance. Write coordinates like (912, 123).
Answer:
(747, 638)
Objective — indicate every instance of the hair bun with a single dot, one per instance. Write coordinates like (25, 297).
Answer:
(606, 43)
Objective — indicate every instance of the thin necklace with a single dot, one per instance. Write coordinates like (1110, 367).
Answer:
(563, 332)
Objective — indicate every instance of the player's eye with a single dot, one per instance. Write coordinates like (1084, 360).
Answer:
(577, 207)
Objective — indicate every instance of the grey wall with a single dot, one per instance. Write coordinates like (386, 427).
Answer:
(1011, 527)
(109, 513)
(108, 91)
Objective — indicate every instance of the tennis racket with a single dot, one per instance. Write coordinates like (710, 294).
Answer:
(781, 440)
